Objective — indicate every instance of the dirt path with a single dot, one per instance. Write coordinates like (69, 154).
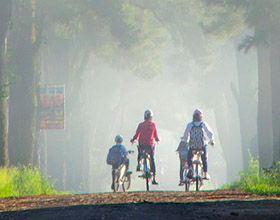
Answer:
(218, 204)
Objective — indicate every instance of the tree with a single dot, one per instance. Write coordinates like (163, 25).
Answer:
(22, 90)
(262, 16)
(5, 17)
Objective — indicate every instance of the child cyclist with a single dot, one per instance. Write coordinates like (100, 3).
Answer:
(146, 133)
(195, 135)
(122, 154)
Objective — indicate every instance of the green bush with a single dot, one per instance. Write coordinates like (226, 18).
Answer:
(256, 181)
(23, 181)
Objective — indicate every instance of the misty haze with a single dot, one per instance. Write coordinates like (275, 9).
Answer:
(75, 74)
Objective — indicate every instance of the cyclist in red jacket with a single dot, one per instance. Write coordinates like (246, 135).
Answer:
(146, 133)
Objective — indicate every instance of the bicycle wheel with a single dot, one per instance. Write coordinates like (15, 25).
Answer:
(197, 180)
(147, 181)
(187, 186)
(186, 180)
(197, 184)
(126, 183)
(147, 174)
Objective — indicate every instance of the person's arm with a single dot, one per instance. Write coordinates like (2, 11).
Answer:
(136, 134)
(187, 132)
(155, 133)
(209, 132)
(124, 152)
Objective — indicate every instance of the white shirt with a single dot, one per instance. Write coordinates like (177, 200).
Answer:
(205, 127)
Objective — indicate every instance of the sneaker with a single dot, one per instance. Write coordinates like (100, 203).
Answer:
(206, 176)
(154, 182)
(113, 186)
(138, 167)
(181, 183)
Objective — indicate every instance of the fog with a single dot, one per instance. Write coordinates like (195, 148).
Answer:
(114, 103)
(117, 59)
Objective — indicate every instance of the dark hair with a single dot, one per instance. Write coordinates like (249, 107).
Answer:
(147, 117)
(197, 117)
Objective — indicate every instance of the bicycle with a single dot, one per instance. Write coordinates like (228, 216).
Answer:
(122, 178)
(194, 176)
(146, 164)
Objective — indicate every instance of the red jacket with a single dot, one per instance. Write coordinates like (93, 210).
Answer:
(146, 132)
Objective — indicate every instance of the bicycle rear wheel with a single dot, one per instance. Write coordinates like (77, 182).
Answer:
(126, 183)
(197, 180)
(186, 180)
(147, 173)
(197, 184)
(147, 180)
(187, 186)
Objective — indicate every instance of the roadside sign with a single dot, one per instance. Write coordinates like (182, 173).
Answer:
(52, 106)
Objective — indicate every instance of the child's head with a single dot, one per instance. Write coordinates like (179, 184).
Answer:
(148, 115)
(118, 139)
(197, 115)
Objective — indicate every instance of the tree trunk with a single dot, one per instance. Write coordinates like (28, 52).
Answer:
(5, 17)
(22, 99)
(228, 142)
(275, 91)
(245, 98)
(264, 118)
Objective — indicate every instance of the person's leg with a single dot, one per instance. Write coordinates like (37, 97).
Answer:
(182, 163)
(139, 157)
(190, 164)
(153, 165)
(139, 153)
(204, 158)
(113, 179)
(190, 157)
(126, 162)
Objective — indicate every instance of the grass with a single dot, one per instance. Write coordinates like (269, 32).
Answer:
(259, 182)
(24, 181)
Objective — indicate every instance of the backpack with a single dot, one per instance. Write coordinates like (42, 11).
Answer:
(114, 156)
(196, 137)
